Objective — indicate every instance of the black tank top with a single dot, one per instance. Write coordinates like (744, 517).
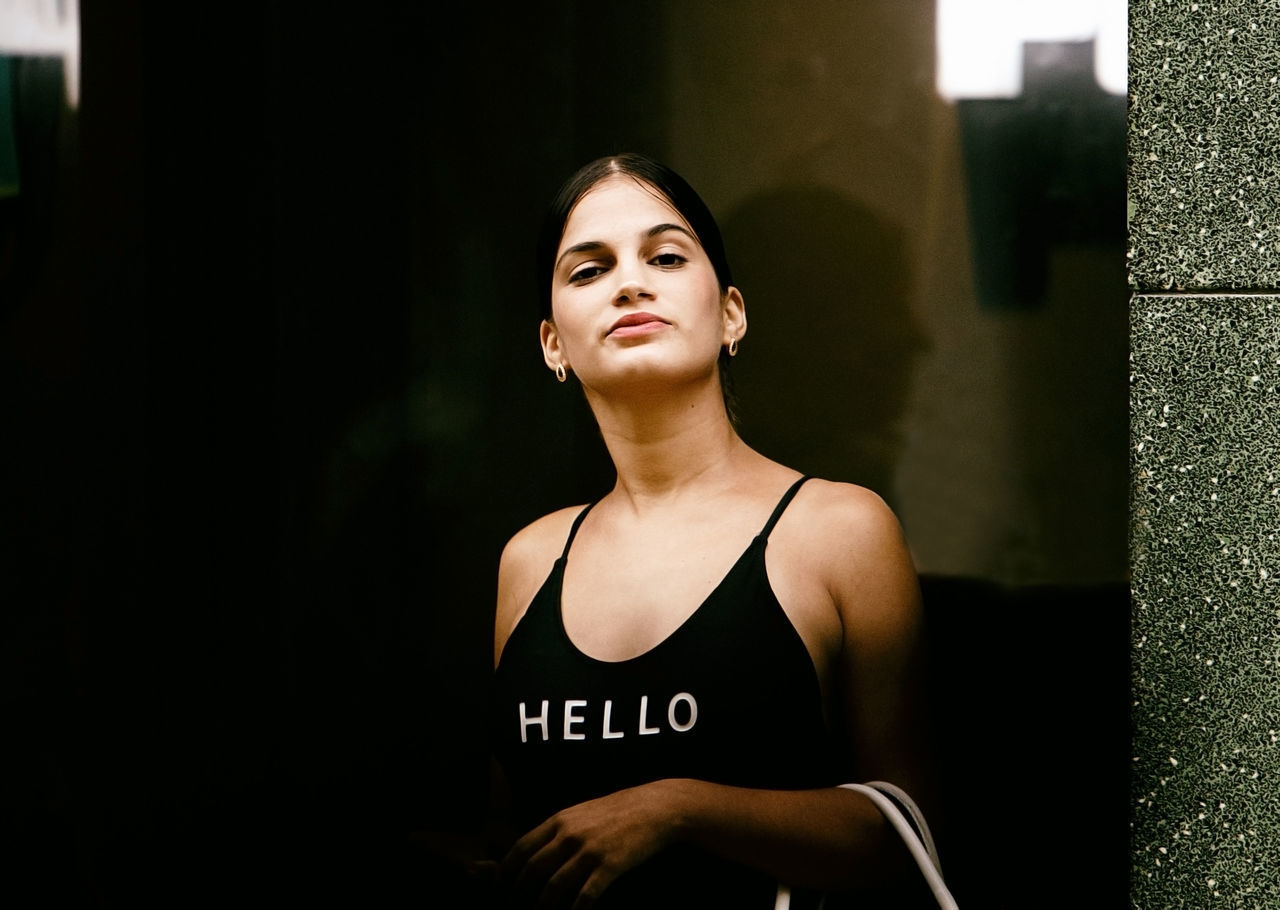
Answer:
(731, 697)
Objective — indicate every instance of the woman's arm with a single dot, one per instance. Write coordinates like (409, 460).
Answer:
(827, 839)
(836, 840)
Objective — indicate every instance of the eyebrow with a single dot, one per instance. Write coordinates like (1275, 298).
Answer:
(588, 246)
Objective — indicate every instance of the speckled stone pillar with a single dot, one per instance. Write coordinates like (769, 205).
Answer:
(1204, 209)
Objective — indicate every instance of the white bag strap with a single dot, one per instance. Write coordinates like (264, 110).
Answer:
(888, 798)
(908, 805)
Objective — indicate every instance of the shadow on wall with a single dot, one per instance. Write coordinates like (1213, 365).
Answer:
(825, 370)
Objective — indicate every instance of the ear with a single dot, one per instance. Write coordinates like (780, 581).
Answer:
(735, 315)
(552, 353)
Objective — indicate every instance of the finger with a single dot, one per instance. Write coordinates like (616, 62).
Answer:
(565, 883)
(514, 862)
(485, 870)
(599, 880)
(539, 868)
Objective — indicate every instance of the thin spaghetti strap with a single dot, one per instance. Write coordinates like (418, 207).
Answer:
(782, 505)
(573, 531)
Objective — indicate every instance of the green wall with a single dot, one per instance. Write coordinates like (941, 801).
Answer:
(1205, 453)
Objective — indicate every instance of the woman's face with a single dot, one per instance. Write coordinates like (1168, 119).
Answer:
(633, 294)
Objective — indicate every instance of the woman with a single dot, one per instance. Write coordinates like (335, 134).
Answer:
(686, 667)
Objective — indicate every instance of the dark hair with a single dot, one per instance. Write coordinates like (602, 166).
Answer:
(672, 187)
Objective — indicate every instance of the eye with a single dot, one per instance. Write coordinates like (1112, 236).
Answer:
(586, 273)
(668, 260)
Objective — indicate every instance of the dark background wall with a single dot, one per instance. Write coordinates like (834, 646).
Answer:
(273, 402)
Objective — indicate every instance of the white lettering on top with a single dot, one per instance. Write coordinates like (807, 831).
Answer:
(682, 716)
(644, 716)
(525, 721)
(605, 731)
(693, 712)
(571, 719)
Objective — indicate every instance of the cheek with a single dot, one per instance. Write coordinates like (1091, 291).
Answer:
(569, 325)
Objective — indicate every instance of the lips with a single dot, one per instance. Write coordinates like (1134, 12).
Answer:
(635, 322)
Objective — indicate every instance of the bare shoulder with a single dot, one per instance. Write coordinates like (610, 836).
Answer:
(526, 561)
(846, 508)
(540, 541)
(862, 554)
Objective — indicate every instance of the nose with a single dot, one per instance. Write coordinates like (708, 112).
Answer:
(631, 286)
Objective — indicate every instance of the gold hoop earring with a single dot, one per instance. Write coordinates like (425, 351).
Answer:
(733, 347)
(560, 372)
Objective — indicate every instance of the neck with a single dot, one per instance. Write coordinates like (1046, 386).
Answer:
(659, 451)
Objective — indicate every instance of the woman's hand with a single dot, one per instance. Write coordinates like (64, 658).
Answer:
(571, 858)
